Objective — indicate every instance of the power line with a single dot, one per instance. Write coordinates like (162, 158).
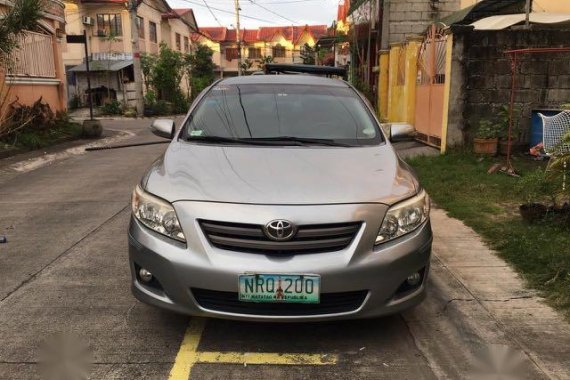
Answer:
(270, 11)
(212, 13)
(232, 13)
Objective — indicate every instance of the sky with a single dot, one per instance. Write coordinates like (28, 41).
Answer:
(276, 12)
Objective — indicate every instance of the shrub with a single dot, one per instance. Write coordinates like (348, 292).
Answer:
(487, 130)
(112, 108)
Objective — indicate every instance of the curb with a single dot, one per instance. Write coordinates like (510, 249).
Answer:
(44, 159)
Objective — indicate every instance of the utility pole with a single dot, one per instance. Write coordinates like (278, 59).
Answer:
(238, 39)
(528, 9)
(136, 57)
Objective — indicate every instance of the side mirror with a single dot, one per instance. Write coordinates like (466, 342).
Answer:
(163, 128)
(401, 132)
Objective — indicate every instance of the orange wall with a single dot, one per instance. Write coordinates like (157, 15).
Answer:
(29, 93)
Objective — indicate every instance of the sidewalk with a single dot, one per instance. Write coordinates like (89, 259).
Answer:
(81, 114)
(514, 313)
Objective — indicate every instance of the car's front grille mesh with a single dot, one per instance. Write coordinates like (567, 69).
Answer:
(251, 238)
(330, 303)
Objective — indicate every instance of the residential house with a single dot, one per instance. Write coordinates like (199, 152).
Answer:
(284, 43)
(35, 68)
(457, 72)
(108, 27)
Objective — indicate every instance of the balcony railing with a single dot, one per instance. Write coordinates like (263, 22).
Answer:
(34, 56)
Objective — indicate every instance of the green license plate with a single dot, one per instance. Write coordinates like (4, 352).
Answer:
(287, 288)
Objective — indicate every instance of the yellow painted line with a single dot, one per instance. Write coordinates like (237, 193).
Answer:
(188, 355)
(258, 358)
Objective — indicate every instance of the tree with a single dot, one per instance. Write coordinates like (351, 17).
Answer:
(246, 65)
(308, 55)
(167, 73)
(263, 61)
(201, 69)
(148, 61)
(23, 15)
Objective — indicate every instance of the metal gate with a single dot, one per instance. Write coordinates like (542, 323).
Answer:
(431, 86)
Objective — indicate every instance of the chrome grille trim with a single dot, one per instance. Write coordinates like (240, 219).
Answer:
(251, 238)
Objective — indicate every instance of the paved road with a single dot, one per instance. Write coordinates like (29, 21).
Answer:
(64, 282)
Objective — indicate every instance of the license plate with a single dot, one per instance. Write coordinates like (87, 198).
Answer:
(275, 288)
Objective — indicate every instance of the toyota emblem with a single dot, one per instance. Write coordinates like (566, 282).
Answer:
(280, 230)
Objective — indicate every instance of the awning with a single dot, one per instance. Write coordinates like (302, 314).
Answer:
(482, 9)
(107, 65)
(506, 21)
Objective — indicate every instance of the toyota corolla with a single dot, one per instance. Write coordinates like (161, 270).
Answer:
(279, 198)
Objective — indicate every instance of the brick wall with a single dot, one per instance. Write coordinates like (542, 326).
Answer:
(485, 74)
(412, 17)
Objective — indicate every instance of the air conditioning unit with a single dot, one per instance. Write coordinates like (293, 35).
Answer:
(88, 20)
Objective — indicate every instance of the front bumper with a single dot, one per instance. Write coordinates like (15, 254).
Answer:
(379, 272)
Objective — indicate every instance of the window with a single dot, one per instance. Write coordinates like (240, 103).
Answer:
(109, 25)
(278, 51)
(231, 53)
(254, 53)
(272, 111)
(152, 31)
(177, 41)
(140, 26)
(186, 45)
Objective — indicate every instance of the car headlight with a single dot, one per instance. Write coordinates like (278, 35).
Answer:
(156, 214)
(404, 217)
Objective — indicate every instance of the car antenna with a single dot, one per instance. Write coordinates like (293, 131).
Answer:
(90, 149)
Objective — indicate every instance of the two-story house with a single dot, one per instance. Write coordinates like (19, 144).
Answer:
(108, 27)
(35, 69)
(284, 43)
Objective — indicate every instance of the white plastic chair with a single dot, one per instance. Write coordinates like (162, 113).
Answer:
(553, 129)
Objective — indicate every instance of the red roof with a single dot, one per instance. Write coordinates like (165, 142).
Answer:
(182, 11)
(215, 33)
(290, 33)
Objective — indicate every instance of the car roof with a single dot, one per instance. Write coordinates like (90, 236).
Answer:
(299, 79)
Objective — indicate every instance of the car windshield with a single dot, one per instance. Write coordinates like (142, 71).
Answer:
(282, 115)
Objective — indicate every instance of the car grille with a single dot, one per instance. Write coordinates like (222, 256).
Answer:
(251, 238)
(330, 303)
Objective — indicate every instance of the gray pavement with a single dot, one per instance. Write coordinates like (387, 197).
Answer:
(65, 270)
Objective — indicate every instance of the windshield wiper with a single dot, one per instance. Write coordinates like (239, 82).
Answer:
(228, 140)
(301, 140)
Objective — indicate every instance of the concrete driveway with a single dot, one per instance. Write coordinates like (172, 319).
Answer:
(65, 302)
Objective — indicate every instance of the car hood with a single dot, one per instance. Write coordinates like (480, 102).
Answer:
(280, 175)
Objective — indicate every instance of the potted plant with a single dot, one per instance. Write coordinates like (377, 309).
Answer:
(486, 140)
(518, 145)
(532, 188)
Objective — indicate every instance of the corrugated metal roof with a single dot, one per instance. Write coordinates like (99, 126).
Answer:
(506, 21)
(107, 65)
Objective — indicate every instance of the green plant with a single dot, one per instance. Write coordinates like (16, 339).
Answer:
(201, 69)
(167, 73)
(308, 55)
(263, 61)
(150, 98)
(160, 108)
(503, 120)
(112, 108)
(180, 103)
(148, 62)
(487, 130)
(246, 65)
(533, 187)
(558, 169)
